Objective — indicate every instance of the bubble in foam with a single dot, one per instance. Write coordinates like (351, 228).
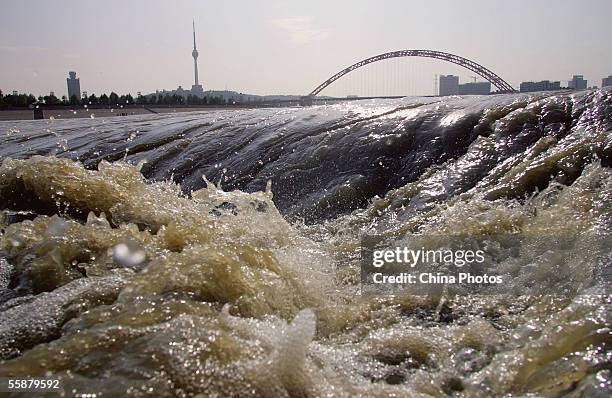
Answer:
(127, 256)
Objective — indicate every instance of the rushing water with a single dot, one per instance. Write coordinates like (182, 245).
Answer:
(125, 272)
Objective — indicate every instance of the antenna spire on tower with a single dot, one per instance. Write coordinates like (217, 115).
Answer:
(194, 39)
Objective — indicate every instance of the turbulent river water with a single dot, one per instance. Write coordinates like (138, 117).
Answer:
(217, 253)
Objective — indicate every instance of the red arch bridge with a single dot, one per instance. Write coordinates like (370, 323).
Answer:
(501, 85)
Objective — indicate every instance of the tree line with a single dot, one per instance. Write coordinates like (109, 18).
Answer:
(113, 99)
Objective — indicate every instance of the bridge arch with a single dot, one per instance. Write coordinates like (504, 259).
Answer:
(480, 70)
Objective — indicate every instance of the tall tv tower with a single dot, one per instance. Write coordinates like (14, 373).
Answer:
(195, 54)
(196, 89)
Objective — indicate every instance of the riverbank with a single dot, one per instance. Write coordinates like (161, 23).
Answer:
(93, 112)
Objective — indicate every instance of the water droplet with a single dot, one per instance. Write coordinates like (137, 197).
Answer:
(63, 144)
(126, 256)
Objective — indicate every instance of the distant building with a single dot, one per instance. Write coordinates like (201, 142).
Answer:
(74, 85)
(449, 85)
(577, 83)
(606, 81)
(544, 85)
(181, 92)
(475, 88)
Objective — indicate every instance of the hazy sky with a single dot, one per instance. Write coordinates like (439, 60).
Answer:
(290, 46)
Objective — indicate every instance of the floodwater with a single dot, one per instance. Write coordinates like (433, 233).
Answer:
(217, 253)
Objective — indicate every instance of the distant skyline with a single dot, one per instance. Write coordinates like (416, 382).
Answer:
(289, 47)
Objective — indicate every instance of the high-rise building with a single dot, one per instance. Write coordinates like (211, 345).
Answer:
(544, 85)
(197, 88)
(449, 85)
(74, 85)
(606, 81)
(577, 83)
(475, 88)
